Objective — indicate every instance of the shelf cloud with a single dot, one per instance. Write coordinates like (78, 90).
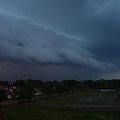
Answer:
(81, 35)
(21, 39)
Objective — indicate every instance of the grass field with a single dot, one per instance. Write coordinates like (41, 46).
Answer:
(99, 98)
(32, 112)
(21, 113)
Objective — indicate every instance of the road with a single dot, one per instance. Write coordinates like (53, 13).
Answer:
(75, 107)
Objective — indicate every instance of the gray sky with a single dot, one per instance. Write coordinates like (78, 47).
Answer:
(59, 39)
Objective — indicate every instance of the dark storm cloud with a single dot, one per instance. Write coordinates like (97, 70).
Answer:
(86, 32)
(21, 39)
(103, 30)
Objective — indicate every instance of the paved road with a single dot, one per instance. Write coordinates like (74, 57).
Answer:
(80, 107)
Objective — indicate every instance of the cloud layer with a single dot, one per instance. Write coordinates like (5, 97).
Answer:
(21, 39)
(83, 35)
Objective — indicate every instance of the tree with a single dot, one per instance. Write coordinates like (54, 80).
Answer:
(2, 96)
(26, 93)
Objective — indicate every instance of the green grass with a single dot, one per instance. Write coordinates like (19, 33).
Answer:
(22, 113)
(72, 99)
(34, 112)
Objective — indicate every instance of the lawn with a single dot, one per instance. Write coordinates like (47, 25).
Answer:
(34, 111)
(94, 98)
(22, 113)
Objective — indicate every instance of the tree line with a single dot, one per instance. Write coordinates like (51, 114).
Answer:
(24, 90)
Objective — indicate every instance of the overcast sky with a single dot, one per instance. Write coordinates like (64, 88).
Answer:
(59, 39)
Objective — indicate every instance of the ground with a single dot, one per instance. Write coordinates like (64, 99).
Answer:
(35, 111)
